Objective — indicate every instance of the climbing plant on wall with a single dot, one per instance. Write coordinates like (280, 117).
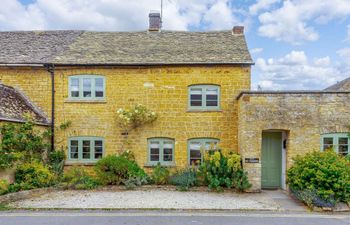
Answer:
(130, 119)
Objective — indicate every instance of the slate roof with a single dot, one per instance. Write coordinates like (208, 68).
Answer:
(14, 106)
(123, 48)
(343, 85)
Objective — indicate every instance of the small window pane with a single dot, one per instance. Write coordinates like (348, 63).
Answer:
(74, 149)
(98, 149)
(154, 151)
(168, 151)
(212, 97)
(99, 87)
(87, 87)
(196, 96)
(343, 147)
(74, 87)
(327, 143)
(86, 149)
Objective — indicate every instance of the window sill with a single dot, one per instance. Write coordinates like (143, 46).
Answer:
(80, 163)
(150, 165)
(203, 110)
(93, 101)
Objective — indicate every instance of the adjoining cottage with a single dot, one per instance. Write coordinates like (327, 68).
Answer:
(198, 83)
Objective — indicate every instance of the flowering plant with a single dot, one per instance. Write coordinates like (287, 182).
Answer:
(135, 117)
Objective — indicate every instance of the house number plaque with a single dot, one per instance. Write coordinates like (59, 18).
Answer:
(251, 160)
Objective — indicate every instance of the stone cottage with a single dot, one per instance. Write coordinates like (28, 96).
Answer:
(198, 83)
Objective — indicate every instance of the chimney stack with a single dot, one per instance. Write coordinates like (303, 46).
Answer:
(238, 30)
(155, 21)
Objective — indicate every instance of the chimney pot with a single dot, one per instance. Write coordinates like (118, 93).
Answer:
(238, 30)
(155, 22)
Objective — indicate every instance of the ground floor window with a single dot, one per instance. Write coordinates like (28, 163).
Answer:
(197, 146)
(337, 141)
(161, 150)
(85, 148)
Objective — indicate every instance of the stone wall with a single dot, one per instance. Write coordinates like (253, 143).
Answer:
(303, 116)
(162, 89)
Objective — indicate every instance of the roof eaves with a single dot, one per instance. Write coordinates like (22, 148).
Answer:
(289, 92)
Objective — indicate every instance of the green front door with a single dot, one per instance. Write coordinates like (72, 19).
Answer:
(271, 160)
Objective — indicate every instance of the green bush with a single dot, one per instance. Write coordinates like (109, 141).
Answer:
(33, 175)
(326, 174)
(4, 185)
(160, 175)
(219, 171)
(56, 161)
(184, 179)
(21, 140)
(114, 170)
(79, 178)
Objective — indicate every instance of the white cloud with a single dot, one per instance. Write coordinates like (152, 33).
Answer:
(261, 5)
(115, 14)
(295, 71)
(255, 51)
(293, 21)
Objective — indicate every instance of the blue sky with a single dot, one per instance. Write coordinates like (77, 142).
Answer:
(296, 44)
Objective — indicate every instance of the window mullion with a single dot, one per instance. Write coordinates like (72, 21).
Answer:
(204, 97)
(92, 147)
(93, 85)
(80, 149)
(80, 87)
(161, 151)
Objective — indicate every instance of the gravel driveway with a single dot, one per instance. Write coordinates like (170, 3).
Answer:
(149, 199)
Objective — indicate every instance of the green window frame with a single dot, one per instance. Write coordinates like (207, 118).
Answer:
(196, 146)
(204, 97)
(339, 142)
(161, 150)
(87, 87)
(85, 148)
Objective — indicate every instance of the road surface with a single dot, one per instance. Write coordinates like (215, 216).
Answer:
(168, 217)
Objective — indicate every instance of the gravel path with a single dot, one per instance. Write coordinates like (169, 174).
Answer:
(149, 199)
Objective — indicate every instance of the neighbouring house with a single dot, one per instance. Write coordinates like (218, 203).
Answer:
(197, 82)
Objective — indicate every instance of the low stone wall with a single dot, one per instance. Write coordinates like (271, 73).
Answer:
(303, 117)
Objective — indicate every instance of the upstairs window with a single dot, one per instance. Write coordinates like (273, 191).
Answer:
(85, 148)
(160, 150)
(204, 97)
(86, 87)
(197, 147)
(339, 142)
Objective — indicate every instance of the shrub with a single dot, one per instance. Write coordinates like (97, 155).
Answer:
(56, 161)
(160, 175)
(33, 175)
(114, 170)
(221, 171)
(325, 174)
(79, 178)
(184, 179)
(21, 139)
(4, 185)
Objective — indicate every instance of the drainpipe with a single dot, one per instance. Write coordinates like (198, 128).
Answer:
(51, 69)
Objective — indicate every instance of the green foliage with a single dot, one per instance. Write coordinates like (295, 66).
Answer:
(347, 157)
(114, 170)
(326, 174)
(160, 175)
(33, 175)
(56, 161)
(135, 117)
(184, 179)
(4, 185)
(79, 178)
(221, 171)
(21, 141)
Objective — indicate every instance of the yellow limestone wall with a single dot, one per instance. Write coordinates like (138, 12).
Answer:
(162, 89)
